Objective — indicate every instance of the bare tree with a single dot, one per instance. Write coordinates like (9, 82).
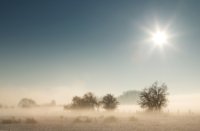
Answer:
(109, 102)
(154, 98)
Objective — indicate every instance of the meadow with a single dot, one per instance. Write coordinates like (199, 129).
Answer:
(97, 121)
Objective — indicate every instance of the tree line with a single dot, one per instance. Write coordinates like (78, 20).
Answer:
(90, 102)
(153, 98)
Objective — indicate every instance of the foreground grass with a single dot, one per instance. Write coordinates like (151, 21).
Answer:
(104, 123)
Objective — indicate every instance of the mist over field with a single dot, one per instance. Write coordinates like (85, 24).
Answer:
(55, 118)
(99, 65)
(178, 102)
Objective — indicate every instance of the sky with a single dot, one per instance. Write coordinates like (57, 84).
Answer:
(57, 49)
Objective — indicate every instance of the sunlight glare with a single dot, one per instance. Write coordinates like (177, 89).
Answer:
(159, 38)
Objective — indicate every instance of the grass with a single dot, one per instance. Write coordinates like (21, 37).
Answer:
(11, 121)
(82, 119)
(30, 121)
(110, 119)
(114, 122)
(133, 118)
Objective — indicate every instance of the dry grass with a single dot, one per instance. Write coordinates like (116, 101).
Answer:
(110, 119)
(11, 121)
(105, 123)
(82, 119)
(30, 121)
(133, 118)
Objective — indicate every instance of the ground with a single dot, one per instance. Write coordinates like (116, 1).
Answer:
(107, 122)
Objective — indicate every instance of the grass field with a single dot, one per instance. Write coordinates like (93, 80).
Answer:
(102, 122)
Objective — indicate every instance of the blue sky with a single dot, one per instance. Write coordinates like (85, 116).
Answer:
(45, 45)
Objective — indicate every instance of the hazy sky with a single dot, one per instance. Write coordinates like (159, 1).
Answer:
(59, 48)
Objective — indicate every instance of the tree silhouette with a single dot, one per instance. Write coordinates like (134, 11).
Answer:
(88, 101)
(154, 98)
(109, 102)
(77, 102)
(26, 103)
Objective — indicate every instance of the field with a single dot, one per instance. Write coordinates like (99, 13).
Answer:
(76, 121)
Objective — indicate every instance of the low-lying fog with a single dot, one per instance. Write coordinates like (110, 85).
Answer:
(174, 108)
(176, 104)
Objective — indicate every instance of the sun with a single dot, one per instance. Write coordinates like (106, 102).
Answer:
(159, 38)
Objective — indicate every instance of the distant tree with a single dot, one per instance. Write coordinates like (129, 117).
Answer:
(109, 102)
(77, 103)
(129, 97)
(52, 103)
(154, 98)
(88, 101)
(26, 103)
